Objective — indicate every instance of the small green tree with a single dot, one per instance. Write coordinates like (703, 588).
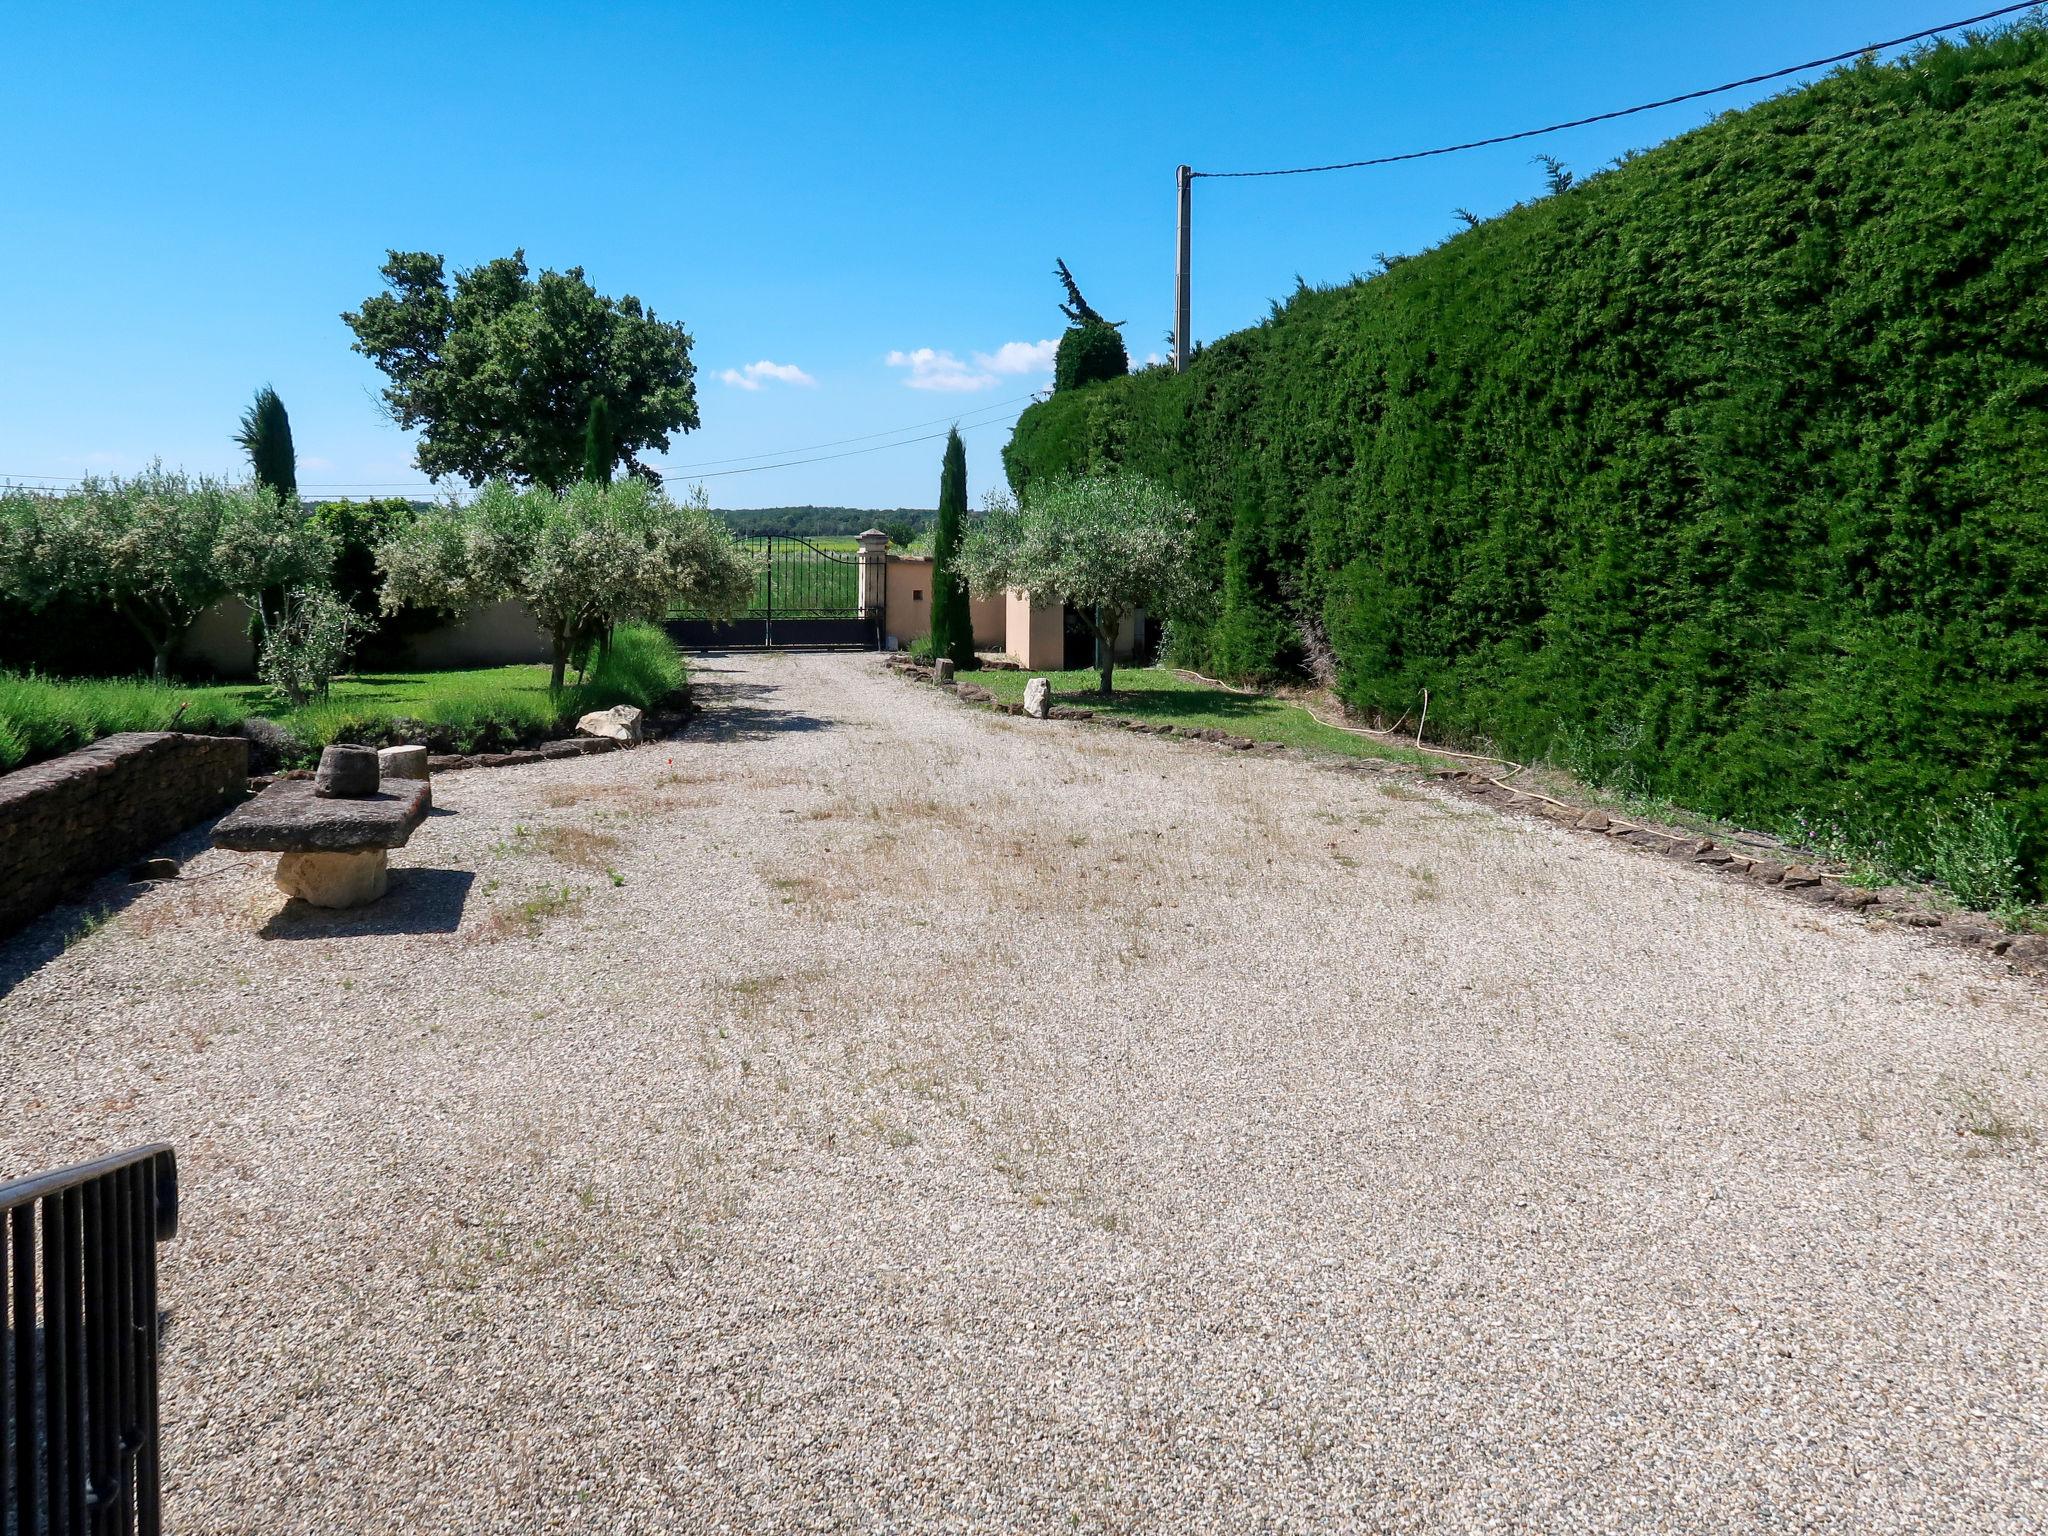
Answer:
(580, 560)
(599, 452)
(309, 644)
(1104, 546)
(158, 548)
(266, 436)
(952, 618)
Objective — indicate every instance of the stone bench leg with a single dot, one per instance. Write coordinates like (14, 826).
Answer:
(334, 879)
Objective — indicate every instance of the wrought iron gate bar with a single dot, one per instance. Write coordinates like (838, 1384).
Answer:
(78, 1343)
(803, 595)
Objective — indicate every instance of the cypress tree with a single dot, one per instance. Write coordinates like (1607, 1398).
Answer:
(952, 620)
(266, 436)
(598, 449)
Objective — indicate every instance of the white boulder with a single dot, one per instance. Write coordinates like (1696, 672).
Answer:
(620, 723)
(1038, 697)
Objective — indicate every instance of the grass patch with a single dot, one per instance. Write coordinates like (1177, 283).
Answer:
(479, 709)
(525, 918)
(1160, 697)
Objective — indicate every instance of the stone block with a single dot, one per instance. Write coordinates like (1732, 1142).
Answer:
(402, 763)
(346, 772)
(335, 880)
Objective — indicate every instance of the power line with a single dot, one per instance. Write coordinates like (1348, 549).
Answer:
(745, 458)
(676, 471)
(851, 452)
(1648, 106)
(682, 470)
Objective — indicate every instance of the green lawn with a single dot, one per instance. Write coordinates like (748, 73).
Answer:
(1155, 694)
(481, 709)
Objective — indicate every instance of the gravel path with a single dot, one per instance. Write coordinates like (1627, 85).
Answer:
(871, 1114)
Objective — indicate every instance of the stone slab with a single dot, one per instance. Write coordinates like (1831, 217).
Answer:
(289, 818)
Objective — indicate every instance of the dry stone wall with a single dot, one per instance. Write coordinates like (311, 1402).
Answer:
(69, 820)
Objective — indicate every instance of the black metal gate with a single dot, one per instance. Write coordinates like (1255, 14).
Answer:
(804, 595)
(78, 1349)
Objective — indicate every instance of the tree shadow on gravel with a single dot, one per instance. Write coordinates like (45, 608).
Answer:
(740, 711)
(419, 901)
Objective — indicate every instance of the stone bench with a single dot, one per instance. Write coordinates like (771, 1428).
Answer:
(332, 847)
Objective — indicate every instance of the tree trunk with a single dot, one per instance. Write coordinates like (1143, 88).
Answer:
(160, 664)
(1105, 647)
(561, 645)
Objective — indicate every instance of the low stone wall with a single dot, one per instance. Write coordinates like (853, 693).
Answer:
(72, 819)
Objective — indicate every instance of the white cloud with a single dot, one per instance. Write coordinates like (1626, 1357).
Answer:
(931, 368)
(755, 374)
(1019, 357)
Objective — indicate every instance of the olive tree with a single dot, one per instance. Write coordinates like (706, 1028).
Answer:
(158, 548)
(1104, 545)
(581, 560)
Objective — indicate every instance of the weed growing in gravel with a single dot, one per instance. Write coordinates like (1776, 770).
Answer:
(526, 918)
(1985, 1127)
(88, 925)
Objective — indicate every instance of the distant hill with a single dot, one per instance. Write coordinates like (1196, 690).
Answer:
(813, 522)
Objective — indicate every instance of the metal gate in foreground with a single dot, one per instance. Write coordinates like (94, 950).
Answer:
(78, 1349)
(804, 595)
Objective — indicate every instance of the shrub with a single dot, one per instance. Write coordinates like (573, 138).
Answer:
(1739, 445)
(309, 644)
(1976, 854)
(1087, 354)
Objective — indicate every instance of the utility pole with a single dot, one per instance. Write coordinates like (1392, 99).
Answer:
(1184, 184)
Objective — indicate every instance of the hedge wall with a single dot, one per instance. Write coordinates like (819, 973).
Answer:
(1723, 474)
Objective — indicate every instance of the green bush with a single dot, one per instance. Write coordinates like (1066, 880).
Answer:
(1088, 353)
(1725, 465)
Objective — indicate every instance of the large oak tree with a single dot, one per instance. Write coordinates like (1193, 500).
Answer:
(498, 371)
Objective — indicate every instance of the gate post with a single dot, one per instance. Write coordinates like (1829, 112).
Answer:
(874, 579)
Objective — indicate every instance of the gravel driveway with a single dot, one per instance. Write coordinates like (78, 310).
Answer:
(872, 1114)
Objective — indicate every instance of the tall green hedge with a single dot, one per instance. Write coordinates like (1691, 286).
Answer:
(1724, 473)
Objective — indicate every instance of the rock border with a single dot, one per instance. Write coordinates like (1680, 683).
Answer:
(1752, 864)
(663, 727)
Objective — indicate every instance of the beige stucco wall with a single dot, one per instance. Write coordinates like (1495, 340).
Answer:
(907, 614)
(495, 636)
(1036, 636)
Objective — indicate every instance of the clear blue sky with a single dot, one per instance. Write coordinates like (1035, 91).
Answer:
(193, 193)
